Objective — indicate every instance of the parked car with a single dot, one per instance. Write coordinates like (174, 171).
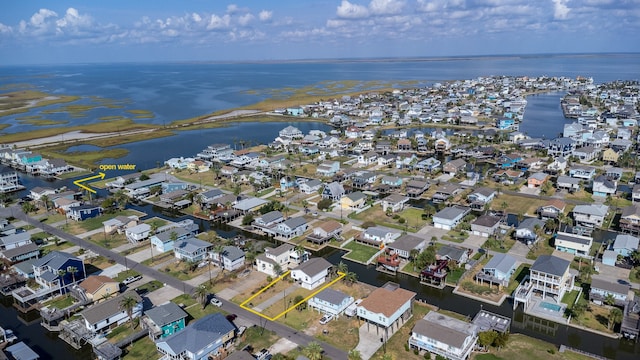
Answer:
(131, 279)
(262, 354)
(325, 319)
(216, 302)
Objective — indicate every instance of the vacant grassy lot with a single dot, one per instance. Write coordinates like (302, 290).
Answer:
(412, 218)
(517, 204)
(144, 348)
(359, 252)
(80, 227)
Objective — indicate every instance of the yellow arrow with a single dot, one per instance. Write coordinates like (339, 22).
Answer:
(78, 182)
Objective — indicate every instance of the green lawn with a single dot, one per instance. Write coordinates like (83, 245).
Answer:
(257, 337)
(542, 247)
(517, 277)
(144, 348)
(360, 252)
(61, 302)
(500, 246)
(454, 276)
(570, 297)
(455, 236)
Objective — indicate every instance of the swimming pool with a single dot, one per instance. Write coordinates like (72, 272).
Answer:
(549, 306)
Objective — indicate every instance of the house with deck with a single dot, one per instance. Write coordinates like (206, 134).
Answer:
(552, 209)
(449, 217)
(83, 212)
(378, 236)
(591, 215)
(311, 273)
(630, 219)
(291, 228)
(603, 291)
(498, 270)
(164, 320)
(527, 230)
(386, 309)
(330, 302)
(108, 314)
(404, 244)
(284, 256)
(394, 203)
(192, 249)
(577, 245)
(99, 287)
(444, 336)
(625, 244)
(325, 231)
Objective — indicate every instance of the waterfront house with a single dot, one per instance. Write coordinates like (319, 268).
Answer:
(454, 167)
(325, 231)
(268, 222)
(83, 212)
(386, 308)
(119, 224)
(311, 273)
(367, 158)
(614, 173)
(99, 287)
(310, 187)
(449, 217)
(108, 314)
(552, 209)
(21, 253)
(577, 245)
(625, 245)
(508, 161)
(394, 202)
(207, 336)
(405, 244)
(164, 320)
(446, 191)
(231, 258)
(590, 215)
(561, 147)
(586, 153)
(415, 188)
(191, 249)
(630, 219)
(603, 186)
(330, 302)
(9, 181)
(353, 201)
(430, 165)
(378, 236)
(485, 225)
(281, 256)
(333, 191)
(526, 230)
(249, 204)
(601, 290)
(481, 197)
(138, 233)
(444, 336)
(550, 276)
(392, 181)
(635, 193)
(38, 192)
(292, 227)
(453, 253)
(498, 270)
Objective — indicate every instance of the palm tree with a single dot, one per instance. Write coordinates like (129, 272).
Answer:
(45, 201)
(72, 270)
(200, 294)
(615, 317)
(354, 355)
(127, 304)
(121, 198)
(351, 278)
(343, 267)
(28, 207)
(300, 251)
(277, 269)
(313, 351)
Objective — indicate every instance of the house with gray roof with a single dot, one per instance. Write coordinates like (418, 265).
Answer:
(206, 337)
(448, 252)
(311, 273)
(550, 277)
(591, 215)
(249, 204)
(231, 258)
(268, 222)
(377, 235)
(445, 336)
(15, 240)
(311, 187)
(394, 202)
(575, 244)
(104, 316)
(449, 217)
(333, 191)
(292, 227)
(485, 225)
(405, 243)
(526, 230)
(21, 253)
(603, 186)
(192, 249)
(625, 244)
(498, 270)
(330, 302)
(601, 291)
(164, 320)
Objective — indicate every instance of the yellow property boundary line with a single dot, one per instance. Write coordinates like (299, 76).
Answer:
(340, 276)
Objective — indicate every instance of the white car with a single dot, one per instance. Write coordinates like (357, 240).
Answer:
(131, 279)
(216, 302)
(325, 319)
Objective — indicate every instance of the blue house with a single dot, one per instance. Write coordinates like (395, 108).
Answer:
(206, 337)
(330, 302)
(287, 182)
(393, 181)
(625, 244)
(83, 212)
(500, 267)
(165, 240)
(164, 320)
(508, 160)
(30, 158)
(173, 186)
(506, 124)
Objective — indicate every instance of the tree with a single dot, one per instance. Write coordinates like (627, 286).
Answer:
(501, 340)
(426, 257)
(578, 309)
(343, 267)
(247, 219)
(108, 204)
(28, 207)
(615, 317)
(73, 271)
(351, 278)
(354, 355)
(200, 294)
(324, 204)
(486, 338)
(218, 249)
(143, 177)
(277, 269)
(301, 304)
(127, 304)
(428, 211)
(45, 201)
(609, 299)
(313, 351)
(121, 198)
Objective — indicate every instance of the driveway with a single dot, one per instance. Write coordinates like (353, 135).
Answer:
(369, 342)
(163, 295)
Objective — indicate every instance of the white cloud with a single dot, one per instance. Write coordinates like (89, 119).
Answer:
(245, 19)
(39, 19)
(560, 9)
(386, 7)
(5, 29)
(216, 22)
(265, 15)
(196, 17)
(348, 10)
(73, 19)
(232, 8)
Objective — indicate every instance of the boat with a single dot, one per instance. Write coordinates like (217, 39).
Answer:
(7, 336)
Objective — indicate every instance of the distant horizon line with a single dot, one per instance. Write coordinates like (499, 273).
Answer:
(336, 60)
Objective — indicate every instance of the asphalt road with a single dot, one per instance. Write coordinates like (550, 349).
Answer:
(283, 331)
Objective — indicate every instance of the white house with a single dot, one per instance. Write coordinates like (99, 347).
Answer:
(330, 302)
(312, 273)
(445, 336)
(577, 245)
(449, 217)
(284, 256)
(230, 258)
(601, 290)
(590, 215)
(138, 233)
(108, 314)
(387, 307)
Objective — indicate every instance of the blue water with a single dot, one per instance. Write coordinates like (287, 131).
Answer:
(175, 91)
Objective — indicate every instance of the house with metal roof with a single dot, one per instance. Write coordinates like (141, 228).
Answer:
(311, 273)
(448, 252)
(577, 245)
(550, 276)
(330, 302)
(377, 235)
(192, 249)
(292, 227)
(444, 336)
(498, 270)
(21, 351)
(164, 320)
(601, 291)
(405, 243)
(230, 258)
(249, 204)
(625, 244)
(207, 336)
(485, 225)
(449, 217)
(107, 315)
(591, 215)
(268, 222)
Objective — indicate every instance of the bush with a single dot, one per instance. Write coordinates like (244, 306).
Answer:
(406, 347)
(401, 220)
(367, 224)
(324, 204)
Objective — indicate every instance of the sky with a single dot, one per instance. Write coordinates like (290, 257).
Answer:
(89, 31)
